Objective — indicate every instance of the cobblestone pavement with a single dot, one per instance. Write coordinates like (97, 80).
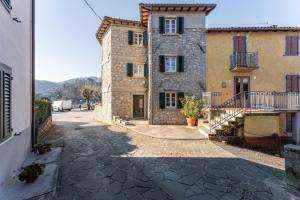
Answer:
(101, 161)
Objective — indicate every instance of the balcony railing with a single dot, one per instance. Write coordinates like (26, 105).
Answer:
(243, 61)
(211, 99)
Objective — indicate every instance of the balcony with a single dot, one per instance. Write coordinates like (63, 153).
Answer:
(243, 62)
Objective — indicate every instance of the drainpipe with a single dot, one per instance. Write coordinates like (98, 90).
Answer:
(33, 135)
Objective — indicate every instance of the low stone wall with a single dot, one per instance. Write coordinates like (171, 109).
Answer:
(292, 168)
(43, 129)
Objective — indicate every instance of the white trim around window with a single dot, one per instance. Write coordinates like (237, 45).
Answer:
(138, 70)
(171, 64)
(170, 26)
(171, 100)
(138, 39)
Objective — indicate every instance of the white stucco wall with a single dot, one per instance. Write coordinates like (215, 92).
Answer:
(15, 52)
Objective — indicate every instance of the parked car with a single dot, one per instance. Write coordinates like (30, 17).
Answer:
(62, 105)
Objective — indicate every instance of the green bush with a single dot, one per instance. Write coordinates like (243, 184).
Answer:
(191, 107)
(42, 107)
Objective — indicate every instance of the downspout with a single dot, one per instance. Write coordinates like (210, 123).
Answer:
(33, 135)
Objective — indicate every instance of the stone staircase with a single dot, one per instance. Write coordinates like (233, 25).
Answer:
(226, 126)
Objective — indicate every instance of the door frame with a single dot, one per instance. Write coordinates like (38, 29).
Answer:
(249, 78)
(145, 104)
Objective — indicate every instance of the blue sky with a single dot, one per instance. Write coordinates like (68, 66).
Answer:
(66, 46)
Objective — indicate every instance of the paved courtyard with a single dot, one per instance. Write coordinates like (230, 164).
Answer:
(101, 161)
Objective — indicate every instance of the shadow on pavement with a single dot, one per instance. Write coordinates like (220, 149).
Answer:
(99, 163)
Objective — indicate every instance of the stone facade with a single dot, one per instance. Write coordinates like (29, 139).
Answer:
(117, 88)
(192, 80)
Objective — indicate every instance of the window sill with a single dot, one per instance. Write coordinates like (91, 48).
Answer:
(170, 109)
(136, 45)
(138, 77)
(170, 34)
(6, 6)
(170, 73)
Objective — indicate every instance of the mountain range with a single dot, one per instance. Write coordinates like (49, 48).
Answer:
(69, 89)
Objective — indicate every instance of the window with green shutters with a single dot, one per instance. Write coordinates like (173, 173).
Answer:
(171, 25)
(130, 37)
(180, 25)
(170, 100)
(5, 102)
(171, 64)
(161, 25)
(129, 69)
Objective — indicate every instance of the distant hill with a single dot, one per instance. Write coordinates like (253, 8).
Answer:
(69, 89)
(41, 86)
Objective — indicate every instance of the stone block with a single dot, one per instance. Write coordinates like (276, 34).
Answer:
(292, 168)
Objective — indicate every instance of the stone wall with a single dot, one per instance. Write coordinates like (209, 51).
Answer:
(292, 168)
(123, 87)
(104, 110)
(189, 81)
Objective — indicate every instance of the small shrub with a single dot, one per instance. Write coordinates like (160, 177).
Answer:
(42, 106)
(191, 107)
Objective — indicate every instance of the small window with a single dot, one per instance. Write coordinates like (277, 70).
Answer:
(138, 70)
(170, 99)
(170, 26)
(138, 39)
(6, 4)
(170, 64)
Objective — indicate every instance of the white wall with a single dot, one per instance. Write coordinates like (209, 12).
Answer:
(15, 52)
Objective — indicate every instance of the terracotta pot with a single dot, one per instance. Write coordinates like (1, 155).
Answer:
(191, 121)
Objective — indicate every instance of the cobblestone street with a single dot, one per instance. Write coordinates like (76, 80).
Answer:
(101, 161)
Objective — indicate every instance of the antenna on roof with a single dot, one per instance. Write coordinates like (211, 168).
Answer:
(265, 23)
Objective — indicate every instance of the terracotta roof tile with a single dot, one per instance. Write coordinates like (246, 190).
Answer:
(254, 29)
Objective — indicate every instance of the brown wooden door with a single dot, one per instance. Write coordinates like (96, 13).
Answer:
(292, 85)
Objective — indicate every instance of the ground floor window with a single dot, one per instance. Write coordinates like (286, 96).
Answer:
(170, 99)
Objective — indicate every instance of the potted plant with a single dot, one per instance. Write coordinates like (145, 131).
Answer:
(191, 109)
(30, 173)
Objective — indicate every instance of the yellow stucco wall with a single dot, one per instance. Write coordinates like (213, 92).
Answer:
(273, 65)
(262, 125)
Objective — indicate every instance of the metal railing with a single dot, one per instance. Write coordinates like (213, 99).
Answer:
(244, 60)
(211, 99)
(273, 101)
(253, 102)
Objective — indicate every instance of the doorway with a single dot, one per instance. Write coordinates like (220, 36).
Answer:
(138, 106)
(241, 85)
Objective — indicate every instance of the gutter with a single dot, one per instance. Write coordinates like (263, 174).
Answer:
(33, 134)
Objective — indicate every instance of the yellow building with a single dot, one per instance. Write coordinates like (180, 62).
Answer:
(252, 59)
(257, 67)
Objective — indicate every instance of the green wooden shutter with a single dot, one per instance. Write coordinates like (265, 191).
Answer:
(145, 38)
(130, 37)
(162, 100)
(161, 25)
(162, 63)
(5, 99)
(180, 96)
(129, 69)
(180, 25)
(145, 70)
(180, 63)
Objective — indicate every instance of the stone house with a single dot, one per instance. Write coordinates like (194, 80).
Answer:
(149, 65)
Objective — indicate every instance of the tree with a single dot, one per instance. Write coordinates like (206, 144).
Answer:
(87, 92)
